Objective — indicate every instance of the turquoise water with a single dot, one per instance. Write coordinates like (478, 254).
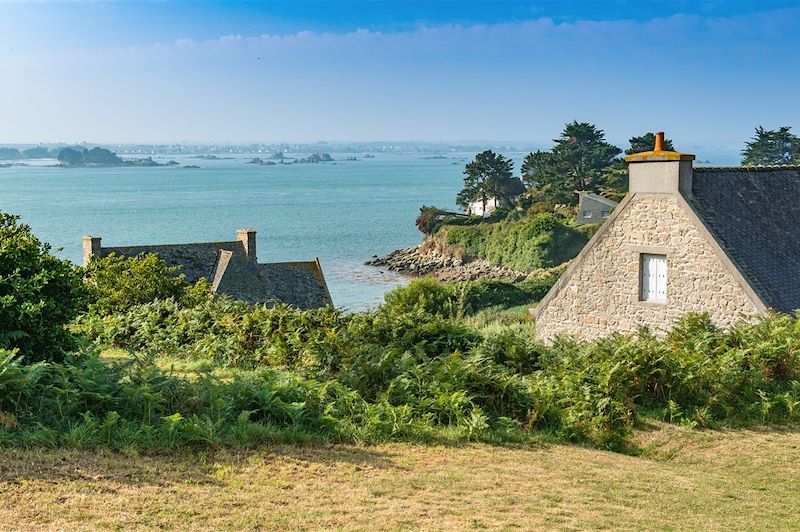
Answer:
(343, 212)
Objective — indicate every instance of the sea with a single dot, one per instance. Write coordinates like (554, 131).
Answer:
(343, 212)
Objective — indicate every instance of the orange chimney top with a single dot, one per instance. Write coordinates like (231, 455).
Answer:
(658, 153)
(659, 142)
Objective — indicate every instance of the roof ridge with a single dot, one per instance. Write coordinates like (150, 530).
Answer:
(129, 246)
(747, 168)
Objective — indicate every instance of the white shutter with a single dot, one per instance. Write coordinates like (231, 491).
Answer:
(646, 279)
(654, 277)
(661, 278)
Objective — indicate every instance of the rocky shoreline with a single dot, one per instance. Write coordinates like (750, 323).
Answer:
(423, 260)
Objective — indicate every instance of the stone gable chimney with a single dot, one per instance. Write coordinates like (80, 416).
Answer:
(248, 239)
(659, 171)
(91, 246)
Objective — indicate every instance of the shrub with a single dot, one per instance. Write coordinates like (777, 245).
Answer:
(464, 298)
(424, 294)
(39, 294)
(116, 283)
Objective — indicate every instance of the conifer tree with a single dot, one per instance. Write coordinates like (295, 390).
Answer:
(577, 162)
(489, 175)
(778, 146)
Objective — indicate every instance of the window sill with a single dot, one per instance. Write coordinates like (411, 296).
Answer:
(653, 302)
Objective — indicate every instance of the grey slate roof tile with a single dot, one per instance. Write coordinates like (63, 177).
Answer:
(754, 214)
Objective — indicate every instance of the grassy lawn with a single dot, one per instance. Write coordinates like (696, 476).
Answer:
(684, 479)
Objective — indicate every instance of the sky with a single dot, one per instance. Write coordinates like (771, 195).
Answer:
(706, 72)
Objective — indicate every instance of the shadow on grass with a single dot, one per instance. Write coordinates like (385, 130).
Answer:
(198, 465)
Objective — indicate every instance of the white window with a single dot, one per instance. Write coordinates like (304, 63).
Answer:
(586, 214)
(653, 277)
(605, 214)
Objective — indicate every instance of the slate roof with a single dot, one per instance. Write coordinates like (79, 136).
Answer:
(598, 198)
(227, 269)
(754, 214)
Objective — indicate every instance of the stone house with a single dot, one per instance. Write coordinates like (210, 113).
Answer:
(593, 208)
(232, 268)
(717, 240)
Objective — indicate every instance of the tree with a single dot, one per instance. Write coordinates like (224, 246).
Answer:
(488, 176)
(39, 294)
(428, 219)
(772, 147)
(116, 283)
(646, 143)
(576, 163)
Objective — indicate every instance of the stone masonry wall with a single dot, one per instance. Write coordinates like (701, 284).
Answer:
(602, 295)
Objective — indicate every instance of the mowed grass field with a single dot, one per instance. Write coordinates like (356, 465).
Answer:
(682, 479)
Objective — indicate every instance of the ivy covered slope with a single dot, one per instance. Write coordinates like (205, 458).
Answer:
(534, 242)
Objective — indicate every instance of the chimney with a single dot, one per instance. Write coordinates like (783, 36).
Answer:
(659, 171)
(248, 239)
(91, 246)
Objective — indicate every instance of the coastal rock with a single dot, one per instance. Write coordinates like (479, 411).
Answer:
(424, 261)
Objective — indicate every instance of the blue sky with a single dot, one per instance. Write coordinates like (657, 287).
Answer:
(705, 72)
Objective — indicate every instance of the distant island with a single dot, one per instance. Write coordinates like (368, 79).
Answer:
(75, 157)
(259, 160)
(38, 152)
(315, 158)
(100, 158)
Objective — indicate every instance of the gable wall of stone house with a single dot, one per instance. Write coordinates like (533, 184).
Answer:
(602, 294)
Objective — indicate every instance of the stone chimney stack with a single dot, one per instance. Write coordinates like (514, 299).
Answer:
(248, 239)
(91, 246)
(659, 171)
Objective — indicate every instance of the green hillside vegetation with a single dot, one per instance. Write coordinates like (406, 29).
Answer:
(191, 370)
(534, 242)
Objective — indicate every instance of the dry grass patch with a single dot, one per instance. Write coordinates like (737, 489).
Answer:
(685, 479)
